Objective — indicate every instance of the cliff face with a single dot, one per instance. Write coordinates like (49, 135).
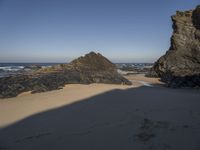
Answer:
(92, 68)
(180, 66)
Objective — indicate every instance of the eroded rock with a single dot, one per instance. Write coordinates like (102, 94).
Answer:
(180, 66)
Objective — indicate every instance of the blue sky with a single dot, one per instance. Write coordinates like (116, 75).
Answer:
(60, 30)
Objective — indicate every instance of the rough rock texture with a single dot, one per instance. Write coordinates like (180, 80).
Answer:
(93, 62)
(92, 68)
(180, 66)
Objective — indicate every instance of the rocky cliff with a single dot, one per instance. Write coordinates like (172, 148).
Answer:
(92, 68)
(180, 66)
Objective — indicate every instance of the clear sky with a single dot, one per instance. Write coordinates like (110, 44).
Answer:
(59, 30)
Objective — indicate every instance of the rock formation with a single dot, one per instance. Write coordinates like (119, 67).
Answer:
(92, 68)
(180, 66)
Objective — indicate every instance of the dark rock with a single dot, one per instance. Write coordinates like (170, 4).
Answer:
(95, 68)
(93, 62)
(151, 73)
(92, 68)
(180, 66)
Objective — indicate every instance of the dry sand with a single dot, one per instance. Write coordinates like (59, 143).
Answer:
(26, 104)
(102, 116)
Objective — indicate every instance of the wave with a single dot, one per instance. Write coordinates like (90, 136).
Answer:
(11, 68)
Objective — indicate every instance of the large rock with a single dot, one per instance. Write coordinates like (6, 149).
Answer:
(95, 68)
(92, 68)
(180, 66)
(93, 62)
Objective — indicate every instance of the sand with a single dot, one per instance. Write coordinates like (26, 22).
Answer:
(103, 116)
(26, 104)
(140, 78)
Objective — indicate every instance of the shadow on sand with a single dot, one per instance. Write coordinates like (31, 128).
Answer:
(137, 118)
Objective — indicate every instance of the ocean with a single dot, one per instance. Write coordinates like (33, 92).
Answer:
(8, 69)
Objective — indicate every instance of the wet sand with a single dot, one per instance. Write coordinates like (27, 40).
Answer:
(140, 78)
(102, 116)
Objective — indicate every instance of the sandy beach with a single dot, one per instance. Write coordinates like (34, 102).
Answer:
(103, 116)
(99, 75)
(26, 104)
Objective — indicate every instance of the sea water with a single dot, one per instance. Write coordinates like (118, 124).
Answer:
(8, 69)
